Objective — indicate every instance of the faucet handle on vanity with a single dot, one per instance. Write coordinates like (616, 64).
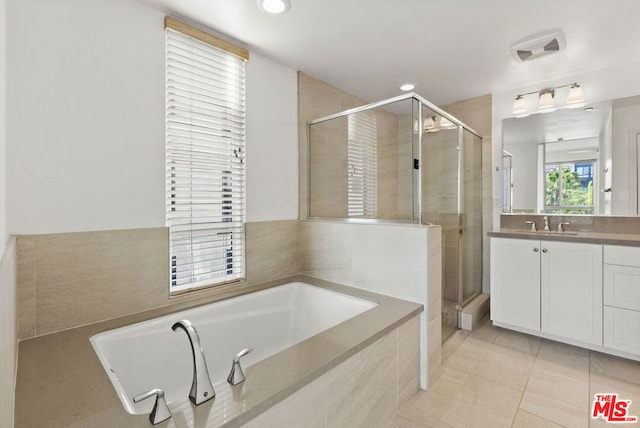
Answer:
(533, 225)
(160, 412)
(236, 375)
(560, 229)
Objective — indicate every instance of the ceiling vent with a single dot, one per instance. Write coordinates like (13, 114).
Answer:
(538, 45)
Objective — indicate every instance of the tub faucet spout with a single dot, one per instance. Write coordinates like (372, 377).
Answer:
(201, 387)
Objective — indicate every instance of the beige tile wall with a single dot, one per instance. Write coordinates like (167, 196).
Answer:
(328, 182)
(316, 99)
(402, 261)
(8, 334)
(363, 391)
(476, 113)
(71, 279)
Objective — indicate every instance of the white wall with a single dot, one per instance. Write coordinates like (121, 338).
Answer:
(86, 120)
(272, 140)
(3, 128)
(524, 165)
(624, 120)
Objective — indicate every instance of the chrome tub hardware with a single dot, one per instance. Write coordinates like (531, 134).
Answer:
(160, 412)
(236, 375)
(546, 224)
(201, 387)
(533, 225)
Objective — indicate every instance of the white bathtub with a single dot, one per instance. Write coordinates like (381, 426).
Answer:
(150, 355)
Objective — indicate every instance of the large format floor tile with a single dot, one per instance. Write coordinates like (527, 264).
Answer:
(494, 377)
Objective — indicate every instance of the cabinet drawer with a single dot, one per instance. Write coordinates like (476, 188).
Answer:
(622, 286)
(622, 329)
(617, 255)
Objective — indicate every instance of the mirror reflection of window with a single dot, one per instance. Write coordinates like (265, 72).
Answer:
(569, 187)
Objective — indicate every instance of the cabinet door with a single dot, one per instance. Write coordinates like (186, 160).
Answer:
(515, 282)
(571, 286)
(622, 329)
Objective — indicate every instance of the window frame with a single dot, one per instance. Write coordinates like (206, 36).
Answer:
(205, 156)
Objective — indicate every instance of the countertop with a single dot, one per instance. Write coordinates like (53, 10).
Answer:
(61, 383)
(628, 239)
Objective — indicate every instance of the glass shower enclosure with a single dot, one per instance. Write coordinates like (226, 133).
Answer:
(405, 160)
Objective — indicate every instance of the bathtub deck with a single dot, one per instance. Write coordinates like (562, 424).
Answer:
(61, 382)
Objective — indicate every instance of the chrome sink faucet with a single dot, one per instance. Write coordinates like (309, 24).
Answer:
(533, 225)
(201, 387)
(546, 224)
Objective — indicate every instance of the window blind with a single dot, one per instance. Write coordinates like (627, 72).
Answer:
(205, 151)
(362, 160)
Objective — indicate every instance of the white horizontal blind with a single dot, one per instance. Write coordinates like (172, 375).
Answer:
(362, 159)
(205, 145)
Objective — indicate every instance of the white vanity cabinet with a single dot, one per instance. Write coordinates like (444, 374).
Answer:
(515, 282)
(548, 286)
(571, 290)
(622, 298)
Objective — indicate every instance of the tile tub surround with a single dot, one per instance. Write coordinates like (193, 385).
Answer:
(60, 375)
(8, 333)
(399, 260)
(67, 280)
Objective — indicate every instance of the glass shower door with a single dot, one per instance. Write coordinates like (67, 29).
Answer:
(440, 187)
(470, 243)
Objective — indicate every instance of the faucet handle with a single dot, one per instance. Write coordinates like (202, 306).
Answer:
(236, 375)
(533, 225)
(160, 412)
(560, 229)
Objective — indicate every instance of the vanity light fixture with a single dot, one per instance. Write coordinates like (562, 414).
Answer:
(519, 106)
(547, 99)
(274, 7)
(575, 95)
(407, 86)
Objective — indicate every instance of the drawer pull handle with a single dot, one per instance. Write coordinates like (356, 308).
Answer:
(544, 250)
(535, 250)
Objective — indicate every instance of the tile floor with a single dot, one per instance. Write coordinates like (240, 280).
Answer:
(495, 378)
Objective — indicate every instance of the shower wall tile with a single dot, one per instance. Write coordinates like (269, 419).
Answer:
(272, 250)
(316, 99)
(86, 277)
(476, 113)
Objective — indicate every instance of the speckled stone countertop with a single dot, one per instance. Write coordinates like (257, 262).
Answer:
(61, 382)
(628, 239)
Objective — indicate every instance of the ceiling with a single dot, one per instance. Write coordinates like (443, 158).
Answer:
(564, 124)
(451, 49)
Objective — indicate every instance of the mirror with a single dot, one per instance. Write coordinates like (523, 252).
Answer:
(573, 161)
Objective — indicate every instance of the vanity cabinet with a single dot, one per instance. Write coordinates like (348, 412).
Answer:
(515, 282)
(622, 298)
(548, 286)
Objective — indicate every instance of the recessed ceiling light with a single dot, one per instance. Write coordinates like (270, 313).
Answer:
(407, 86)
(274, 6)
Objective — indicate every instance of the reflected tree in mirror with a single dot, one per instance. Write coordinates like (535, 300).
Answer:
(572, 191)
